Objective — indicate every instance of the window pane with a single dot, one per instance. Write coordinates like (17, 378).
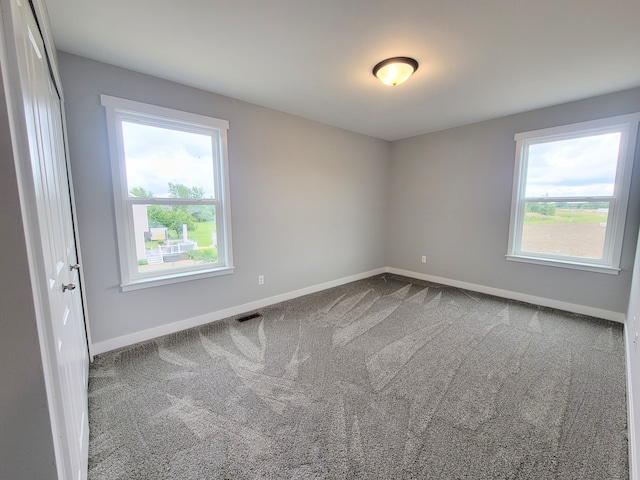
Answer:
(574, 229)
(156, 157)
(576, 167)
(170, 236)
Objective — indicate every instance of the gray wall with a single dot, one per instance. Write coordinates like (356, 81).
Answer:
(312, 203)
(26, 444)
(450, 199)
(308, 201)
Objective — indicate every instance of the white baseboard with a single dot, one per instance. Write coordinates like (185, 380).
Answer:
(545, 302)
(141, 336)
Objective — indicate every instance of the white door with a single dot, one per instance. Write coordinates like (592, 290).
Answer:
(65, 333)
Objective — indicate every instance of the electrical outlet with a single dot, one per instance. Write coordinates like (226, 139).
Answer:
(260, 279)
(424, 259)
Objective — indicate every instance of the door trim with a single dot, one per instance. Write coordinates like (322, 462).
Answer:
(21, 156)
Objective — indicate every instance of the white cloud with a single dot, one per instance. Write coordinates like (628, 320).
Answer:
(155, 156)
(583, 166)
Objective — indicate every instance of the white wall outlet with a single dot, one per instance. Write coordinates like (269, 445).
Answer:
(260, 279)
(424, 259)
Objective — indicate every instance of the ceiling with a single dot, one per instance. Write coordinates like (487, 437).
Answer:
(479, 59)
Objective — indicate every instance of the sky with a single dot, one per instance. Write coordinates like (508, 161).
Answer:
(584, 166)
(155, 156)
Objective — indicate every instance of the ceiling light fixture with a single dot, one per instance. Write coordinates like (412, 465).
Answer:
(396, 70)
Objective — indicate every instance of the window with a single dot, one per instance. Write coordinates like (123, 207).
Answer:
(171, 193)
(570, 194)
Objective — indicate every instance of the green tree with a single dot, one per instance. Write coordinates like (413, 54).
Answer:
(170, 217)
(179, 190)
(140, 192)
(201, 213)
(175, 216)
(157, 216)
(542, 208)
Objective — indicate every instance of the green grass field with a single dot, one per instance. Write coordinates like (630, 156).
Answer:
(202, 233)
(566, 215)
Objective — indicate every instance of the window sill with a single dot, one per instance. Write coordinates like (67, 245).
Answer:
(588, 267)
(174, 278)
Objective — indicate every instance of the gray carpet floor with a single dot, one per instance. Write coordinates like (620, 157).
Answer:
(384, 378)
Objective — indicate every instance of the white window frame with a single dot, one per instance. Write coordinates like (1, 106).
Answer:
(118, 110)
(610, 263)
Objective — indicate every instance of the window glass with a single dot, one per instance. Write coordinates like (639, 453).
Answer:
(575, 167)
(171, 193)
(157, 156)
(570, 195)
(170, 237)
(574, 229)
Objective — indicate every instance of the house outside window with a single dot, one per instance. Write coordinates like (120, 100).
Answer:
(171, 191)
(570, 193)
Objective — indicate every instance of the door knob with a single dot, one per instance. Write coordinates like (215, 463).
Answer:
(69, 286)
(74, 267)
